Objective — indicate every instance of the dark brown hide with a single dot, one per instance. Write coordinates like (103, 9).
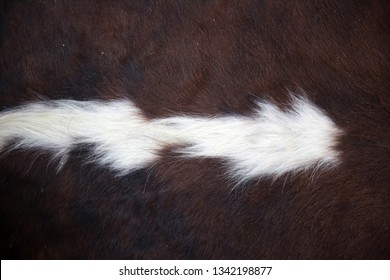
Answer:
(201, 57)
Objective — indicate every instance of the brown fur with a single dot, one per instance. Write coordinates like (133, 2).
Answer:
(203, 57)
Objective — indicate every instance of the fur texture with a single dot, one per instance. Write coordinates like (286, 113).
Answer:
(271, 142)
(212, 77)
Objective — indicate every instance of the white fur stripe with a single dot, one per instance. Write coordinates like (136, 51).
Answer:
(270, 142)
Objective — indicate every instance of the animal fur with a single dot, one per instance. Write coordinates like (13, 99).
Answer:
(194, 129)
